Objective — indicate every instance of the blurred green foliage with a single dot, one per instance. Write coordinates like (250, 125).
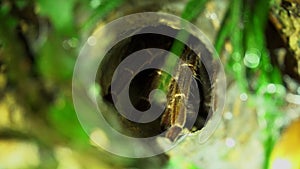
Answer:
(180, 163)
(250, 63)
(62, 21)
(64, 119)
(43, 38)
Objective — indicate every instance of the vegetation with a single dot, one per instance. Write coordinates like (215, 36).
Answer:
(40, 40)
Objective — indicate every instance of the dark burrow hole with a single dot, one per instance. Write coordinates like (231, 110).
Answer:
(146, 81)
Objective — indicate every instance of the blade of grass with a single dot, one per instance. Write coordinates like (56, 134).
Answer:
(236, 38)
(264, 74)
(192, 9)
(100, 12)
(226, 29)
(232, 30)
